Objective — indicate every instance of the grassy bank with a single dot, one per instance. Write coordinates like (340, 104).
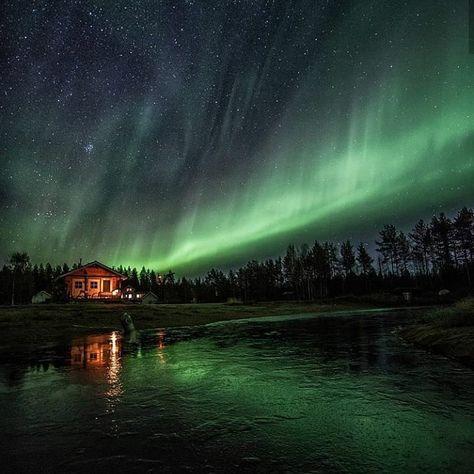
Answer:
(448, 331)
(27, 327)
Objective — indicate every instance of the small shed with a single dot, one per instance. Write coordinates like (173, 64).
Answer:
(41, 297)
(149, 298)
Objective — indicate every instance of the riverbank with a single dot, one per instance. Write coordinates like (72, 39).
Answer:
(32, 326)
(448, 331)
(444, 330)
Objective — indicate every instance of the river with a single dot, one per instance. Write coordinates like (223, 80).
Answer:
(287, 394)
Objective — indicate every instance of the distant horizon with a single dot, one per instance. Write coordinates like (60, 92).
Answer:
(369, 244)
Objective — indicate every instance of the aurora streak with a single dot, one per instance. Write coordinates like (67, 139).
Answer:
(215, 132)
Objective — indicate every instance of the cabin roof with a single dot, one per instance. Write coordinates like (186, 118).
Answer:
(150, 293)
(95, 263)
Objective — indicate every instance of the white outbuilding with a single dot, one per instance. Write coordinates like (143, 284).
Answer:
(41, 297)
(149, 298)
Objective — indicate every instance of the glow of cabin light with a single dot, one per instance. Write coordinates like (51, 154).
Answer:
(113, 342)
(161, 339)
(113, 372)
(161, 346)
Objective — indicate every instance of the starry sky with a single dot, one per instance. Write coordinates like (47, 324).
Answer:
(187, 134)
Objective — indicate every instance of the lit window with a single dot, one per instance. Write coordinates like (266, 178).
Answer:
(94, 284)
(78, 284)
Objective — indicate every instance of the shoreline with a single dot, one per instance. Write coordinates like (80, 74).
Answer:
(446, 331)
(29, 327)
(456, 343)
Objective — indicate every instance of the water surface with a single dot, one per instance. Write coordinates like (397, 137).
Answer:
(323, 394)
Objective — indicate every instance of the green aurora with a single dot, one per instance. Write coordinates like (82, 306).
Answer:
(351, 400)
(346, 118)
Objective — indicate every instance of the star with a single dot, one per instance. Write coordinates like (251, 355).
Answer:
(89, 148)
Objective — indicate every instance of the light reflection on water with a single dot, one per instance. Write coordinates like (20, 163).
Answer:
(332, 395)
(96, 351)
(105, 351)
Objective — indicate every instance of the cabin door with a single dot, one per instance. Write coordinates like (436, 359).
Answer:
(106, 286)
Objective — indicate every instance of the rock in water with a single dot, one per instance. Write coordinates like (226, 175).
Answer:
(127, 323)
(130, 340)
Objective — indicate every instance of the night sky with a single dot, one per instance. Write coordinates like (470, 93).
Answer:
(188, 134)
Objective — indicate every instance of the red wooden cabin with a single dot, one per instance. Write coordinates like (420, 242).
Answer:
(93, 281)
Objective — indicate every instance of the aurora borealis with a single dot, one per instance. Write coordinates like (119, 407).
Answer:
(187, 134)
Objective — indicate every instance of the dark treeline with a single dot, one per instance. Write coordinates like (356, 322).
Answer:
(434, 255)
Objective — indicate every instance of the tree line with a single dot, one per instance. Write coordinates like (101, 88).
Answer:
(434, 255)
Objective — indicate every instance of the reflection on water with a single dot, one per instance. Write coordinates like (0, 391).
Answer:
(106, 351)
(320, 395)
(96, 351)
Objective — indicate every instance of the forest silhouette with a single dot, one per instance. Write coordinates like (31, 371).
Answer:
(435, 255)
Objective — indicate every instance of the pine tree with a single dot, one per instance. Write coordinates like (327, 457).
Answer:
(442, 234)
(35, 275)
(464, 234)
(464, 237)
(134, 282)
(19, 263)
(290, 267)
(49, 277)
(365, 266)
(422, 247)
(144, 280)
(364, 260)
(348, 259)
(153, 283)
(403, 252)
(42, 280)
(388, 248)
